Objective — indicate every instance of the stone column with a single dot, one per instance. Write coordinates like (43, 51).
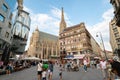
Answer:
(47, 51)
(42, 52)
(52, 49)
(56, 50)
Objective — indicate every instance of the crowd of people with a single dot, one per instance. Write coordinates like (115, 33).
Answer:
(45, 70)
(110, 68)
(13, 66)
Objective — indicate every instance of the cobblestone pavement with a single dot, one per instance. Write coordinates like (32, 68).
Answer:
(31, 74)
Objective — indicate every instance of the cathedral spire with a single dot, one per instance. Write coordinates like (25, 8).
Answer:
(62, 23)
(62, 16)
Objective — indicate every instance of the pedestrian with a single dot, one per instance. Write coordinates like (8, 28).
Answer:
(39, 69)
(8, 68)
(60, 72)
(103, 66)
(116, 68)
(50, 70)
(85, 63)
(98, 64)
(111, 75)
(92, 63)
(44, 74)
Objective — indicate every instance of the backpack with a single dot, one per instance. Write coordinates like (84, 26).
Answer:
(45, 66)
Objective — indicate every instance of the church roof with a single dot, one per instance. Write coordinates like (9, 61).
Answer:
(47, 36)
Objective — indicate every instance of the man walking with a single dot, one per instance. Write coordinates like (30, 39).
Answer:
(103, 66)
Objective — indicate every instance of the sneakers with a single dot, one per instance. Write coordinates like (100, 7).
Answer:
(85, 71)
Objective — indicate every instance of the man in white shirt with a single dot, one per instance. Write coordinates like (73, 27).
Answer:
(103, 66)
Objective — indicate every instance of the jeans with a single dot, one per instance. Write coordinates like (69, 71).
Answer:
(85, 67)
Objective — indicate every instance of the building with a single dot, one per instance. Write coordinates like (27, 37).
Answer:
(13, 32)
(114, 37)
(6, 9)
(97, 50)
(109, 54)
(43, 45)
(116, 6)
(20, 29)
(76, 40)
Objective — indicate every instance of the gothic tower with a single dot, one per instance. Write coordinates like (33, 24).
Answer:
(36, 36)
(62, 23)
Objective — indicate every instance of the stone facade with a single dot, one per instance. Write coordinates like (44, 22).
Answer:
(76, 40)
(114, 36)
(116, 6)
(43, 45)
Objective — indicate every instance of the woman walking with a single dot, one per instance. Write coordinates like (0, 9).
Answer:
(39, 69)
(50, 70)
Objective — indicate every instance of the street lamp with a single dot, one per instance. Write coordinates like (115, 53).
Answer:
(102, 44)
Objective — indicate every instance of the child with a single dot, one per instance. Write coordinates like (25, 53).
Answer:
(60, 73)
(44, 74)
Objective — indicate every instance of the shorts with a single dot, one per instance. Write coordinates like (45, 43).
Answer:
(44, 78)
(60, 74)
(39, 72)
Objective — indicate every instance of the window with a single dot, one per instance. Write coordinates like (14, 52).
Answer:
(116, 35)
(118, 45)
(118, 40)
(2, 18)
(7, 35)
(9, 25)
(0, 30)
(115, 30)
(4, 8)
(114, 26)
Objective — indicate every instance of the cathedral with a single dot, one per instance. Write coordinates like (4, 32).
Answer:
(43, 45)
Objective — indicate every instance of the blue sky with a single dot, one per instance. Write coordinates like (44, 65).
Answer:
(46, 14)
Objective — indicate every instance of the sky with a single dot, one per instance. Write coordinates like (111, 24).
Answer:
(46, 15)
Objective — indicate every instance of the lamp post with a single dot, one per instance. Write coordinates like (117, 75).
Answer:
(102, 44)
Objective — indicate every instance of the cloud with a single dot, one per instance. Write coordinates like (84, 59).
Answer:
(102, 28)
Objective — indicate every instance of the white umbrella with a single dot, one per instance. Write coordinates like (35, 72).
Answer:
(31, 58)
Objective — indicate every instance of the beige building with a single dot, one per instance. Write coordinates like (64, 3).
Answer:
(43, 45)
(116, 6)
(114, 36)
(97, 50)
(109, 54)
(76, 40)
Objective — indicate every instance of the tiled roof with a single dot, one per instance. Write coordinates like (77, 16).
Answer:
(47, 36)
